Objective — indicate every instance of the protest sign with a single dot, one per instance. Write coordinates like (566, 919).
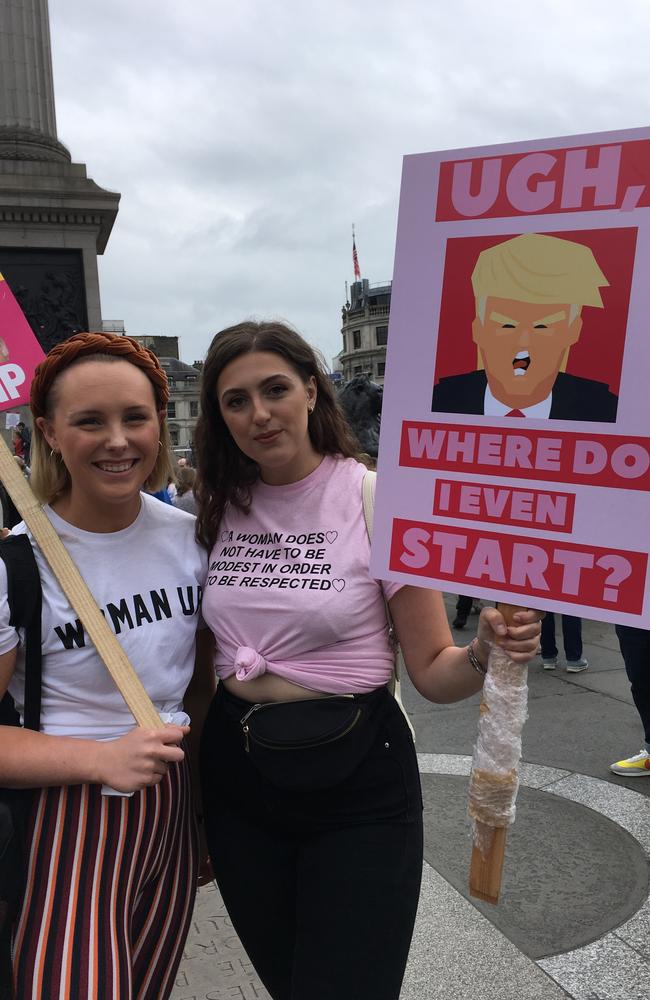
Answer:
(515, 458)
(20, 353)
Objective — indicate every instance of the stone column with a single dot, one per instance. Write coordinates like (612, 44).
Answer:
(27, 115)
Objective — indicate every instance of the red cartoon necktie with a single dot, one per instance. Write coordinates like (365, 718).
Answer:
(514, 413)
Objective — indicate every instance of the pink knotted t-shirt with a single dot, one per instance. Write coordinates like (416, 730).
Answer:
(288, 589)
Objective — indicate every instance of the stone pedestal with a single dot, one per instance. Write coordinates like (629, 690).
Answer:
(54, 221)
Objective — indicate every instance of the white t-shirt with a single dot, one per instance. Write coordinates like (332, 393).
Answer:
(148, 581)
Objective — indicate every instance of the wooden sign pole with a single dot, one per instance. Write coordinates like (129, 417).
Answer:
(75, 589)
(486, 867)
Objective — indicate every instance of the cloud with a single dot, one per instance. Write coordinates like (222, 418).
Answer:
(246, 138)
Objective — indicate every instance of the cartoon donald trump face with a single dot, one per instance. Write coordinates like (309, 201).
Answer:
(529, 294)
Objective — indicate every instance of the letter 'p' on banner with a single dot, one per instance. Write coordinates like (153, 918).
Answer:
(20, 352)
(515, 442)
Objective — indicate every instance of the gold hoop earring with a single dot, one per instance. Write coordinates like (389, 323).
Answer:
(160, 444)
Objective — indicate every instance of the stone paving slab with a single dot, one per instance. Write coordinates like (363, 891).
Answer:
(459, 955)
(215, 965)
(610, 682)
(605, 970)
(570, 876)
(456, 955)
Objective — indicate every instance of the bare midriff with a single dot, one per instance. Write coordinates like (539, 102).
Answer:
(269, 687)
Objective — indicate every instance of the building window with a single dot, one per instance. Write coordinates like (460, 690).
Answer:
(381, 333)
(381, 367)
(171, 409)
(194, 407)
(173, 436)
(357, 370)
(356, 340)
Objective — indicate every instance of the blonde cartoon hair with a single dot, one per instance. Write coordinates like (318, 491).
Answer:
(539, 269)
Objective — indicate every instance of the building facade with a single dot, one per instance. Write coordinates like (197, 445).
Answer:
(162, 347)
(184, 392)
(183, 407)
(365, 331)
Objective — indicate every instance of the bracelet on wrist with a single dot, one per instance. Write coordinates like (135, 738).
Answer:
(473, 658)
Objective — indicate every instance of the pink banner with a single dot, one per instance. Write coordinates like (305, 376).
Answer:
(20, 352)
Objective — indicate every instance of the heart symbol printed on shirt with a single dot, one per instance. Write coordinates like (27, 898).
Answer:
(338, 585)
(331, 536)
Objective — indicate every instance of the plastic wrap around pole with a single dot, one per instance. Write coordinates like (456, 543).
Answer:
(494, 778)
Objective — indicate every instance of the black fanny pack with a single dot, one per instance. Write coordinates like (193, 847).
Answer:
(311, 744)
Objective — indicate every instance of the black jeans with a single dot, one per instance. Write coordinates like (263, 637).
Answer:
(635, 650)
(571, 637)
(322, 887)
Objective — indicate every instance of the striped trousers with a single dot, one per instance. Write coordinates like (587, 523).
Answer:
(110, 891)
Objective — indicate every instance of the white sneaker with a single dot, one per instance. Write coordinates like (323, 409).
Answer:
(550, 663)
(576, 666)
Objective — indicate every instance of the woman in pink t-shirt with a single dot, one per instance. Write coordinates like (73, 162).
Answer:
(311, 790)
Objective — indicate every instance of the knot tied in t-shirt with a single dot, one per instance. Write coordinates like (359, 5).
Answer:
(249, 664)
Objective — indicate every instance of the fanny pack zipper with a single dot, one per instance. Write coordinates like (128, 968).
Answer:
(246, 729)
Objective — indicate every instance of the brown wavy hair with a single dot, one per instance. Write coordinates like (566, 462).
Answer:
(225, 474)
(49, 475)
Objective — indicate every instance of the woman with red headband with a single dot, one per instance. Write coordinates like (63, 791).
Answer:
(112, 855)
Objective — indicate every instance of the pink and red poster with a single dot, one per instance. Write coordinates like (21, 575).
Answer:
(20, 352)
(515, 442)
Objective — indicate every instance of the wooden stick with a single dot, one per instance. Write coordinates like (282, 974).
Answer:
(75, 589)
(486, 870)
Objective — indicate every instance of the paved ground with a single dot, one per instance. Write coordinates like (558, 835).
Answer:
(574, 917)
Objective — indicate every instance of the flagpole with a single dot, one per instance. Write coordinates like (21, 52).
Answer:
(355, 258)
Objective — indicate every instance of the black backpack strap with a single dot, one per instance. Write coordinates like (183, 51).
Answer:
(24, 596)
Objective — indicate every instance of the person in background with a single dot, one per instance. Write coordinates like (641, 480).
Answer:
(572, 642)
(163, 495)
(112, 849)
(463, 611)
(171, 488)
(185, 498)
(18, 444)
(635, 650)
(316, 846)
(26, 436)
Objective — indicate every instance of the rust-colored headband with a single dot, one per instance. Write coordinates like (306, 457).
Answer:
(83, 344)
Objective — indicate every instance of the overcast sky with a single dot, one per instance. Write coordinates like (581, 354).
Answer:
(246, 136)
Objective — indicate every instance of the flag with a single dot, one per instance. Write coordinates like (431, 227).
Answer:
(355, 261)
